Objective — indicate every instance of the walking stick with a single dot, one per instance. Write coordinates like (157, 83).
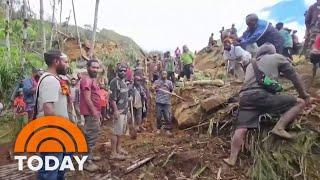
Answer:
(227, 70)
(133, 132)
(174, 94)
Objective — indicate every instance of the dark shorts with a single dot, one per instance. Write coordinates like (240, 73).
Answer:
(315, 58)
(254, 104)
(187, 70)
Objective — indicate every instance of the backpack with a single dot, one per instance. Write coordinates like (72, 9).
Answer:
(35, 112)
(265, 81)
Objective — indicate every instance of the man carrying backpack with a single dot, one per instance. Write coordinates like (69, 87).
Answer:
(259, 95)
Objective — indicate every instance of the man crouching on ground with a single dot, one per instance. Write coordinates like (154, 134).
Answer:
(255, 100)
(119, 98)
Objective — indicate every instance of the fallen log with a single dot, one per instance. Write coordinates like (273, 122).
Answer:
(212, 102)
(138, 164)
(215, 82)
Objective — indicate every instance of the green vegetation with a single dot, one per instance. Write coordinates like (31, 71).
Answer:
(13, 70)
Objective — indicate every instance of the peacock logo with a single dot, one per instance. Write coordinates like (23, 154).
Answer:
(50, 134)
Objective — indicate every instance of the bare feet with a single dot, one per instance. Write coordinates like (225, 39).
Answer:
(229, 162)
(282, 133)
(169, 134)
(116, 156)
(96, 158)
(122, 151)
(90, 166)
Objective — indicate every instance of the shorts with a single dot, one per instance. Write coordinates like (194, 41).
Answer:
(314, 58)
(256, 103)
(187, 70)
(120, 125)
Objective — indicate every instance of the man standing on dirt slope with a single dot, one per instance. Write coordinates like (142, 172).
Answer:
(234, 31)
(187, 59)
(260, 32)
(29, 91)
(51, 100)
(236, 59)
(119, 99)
(296, 43)
(315, 56)
(75, 100)
(138, 97)
(287, 39)
(90, 108)
(154, 69)
(312, 22)
(169, 65)
(177, 53)
(255, 99)
(163, 88)
(211, 41)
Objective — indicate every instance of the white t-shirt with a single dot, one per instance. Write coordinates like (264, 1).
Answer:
(50, 91)
(235, 53)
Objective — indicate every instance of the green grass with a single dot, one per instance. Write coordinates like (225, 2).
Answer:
(7, 124)
(279, 159)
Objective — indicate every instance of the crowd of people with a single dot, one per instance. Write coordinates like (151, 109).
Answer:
(271, 50)
(89, 101)
(239, 50)
(256, 59)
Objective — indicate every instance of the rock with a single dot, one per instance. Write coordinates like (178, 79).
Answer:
(212, 103)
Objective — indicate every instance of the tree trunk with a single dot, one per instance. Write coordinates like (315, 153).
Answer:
(60, 1)
(52, 23)
(25, 33)
(7, 29)
(42, 28)
(93, 38)
(75, 23)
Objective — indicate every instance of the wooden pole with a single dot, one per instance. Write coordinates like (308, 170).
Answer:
(7, 29)
(93, 38)
(52, 23)
(25, 34)
(60, 1)
(78, 34)
(44, 44)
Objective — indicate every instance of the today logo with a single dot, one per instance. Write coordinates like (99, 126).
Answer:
(50, 134)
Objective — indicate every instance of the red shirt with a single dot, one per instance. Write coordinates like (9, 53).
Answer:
(316, 44)
(129, 75)
(20, 105)
(103, 98)
(89, 84)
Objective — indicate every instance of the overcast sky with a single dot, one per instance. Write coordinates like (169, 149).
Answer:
(166, 24)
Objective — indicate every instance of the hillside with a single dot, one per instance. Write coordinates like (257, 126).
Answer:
(109, 44)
